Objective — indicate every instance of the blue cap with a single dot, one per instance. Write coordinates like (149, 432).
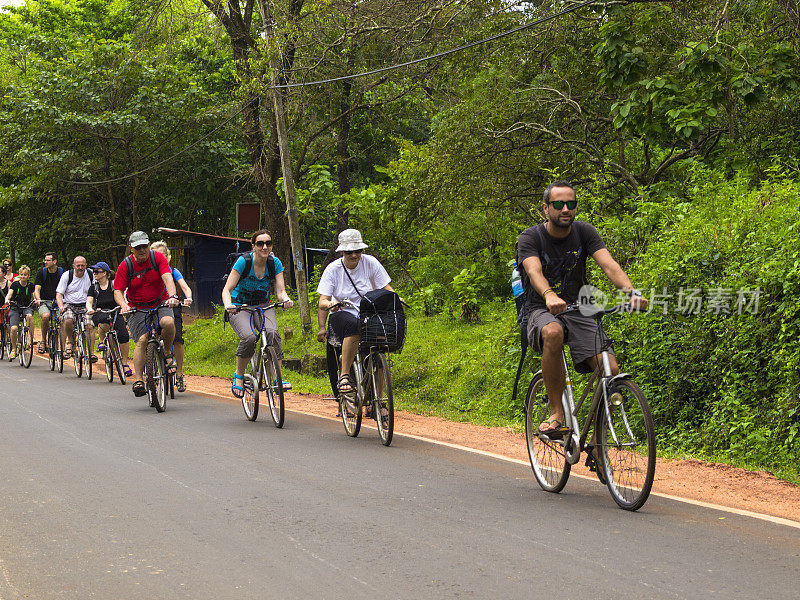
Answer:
(102, 266)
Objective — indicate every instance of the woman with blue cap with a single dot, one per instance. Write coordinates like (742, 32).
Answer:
(101, 295)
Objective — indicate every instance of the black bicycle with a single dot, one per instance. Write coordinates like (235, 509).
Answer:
(81, 350)
(4, 332)
(52, 342)
(112, 357)
(158, 382)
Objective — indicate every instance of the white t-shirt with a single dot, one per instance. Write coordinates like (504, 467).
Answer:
(77, 290)
(368, 275)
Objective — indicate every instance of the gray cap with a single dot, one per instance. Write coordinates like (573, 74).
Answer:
(138, 238)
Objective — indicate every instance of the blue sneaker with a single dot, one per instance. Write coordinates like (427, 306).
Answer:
(286, 385)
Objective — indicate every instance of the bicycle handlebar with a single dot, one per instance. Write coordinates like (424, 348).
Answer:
(601, 312)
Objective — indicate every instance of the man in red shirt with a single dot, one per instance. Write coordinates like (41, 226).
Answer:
(149, 286)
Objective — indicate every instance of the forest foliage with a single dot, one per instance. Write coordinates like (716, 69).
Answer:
(676, 121)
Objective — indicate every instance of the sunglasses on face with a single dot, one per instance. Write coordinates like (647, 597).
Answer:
(263, 244)
(349, 252)
(559, 204)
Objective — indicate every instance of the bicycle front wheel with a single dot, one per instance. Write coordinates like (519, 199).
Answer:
(156, 377)
(274, 386)
(27, 347)
(630, 461)
(382, 398)
(8, 345)
(547, 456)
(77, 354)
(250, 398)
(116, 354)
(87, 355)
(51, 347)
(2, 341)
(59, 354)
(108, 360)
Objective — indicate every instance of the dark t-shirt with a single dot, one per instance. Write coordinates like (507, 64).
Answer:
(23, 296)
(103, 298)
(48, 283)
(563, 260)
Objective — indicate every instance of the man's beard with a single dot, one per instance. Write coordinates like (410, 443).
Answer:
(555, 222)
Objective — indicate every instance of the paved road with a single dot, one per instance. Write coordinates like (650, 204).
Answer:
(103, 498)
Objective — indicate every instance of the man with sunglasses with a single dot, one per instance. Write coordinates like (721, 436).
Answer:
(553, 255)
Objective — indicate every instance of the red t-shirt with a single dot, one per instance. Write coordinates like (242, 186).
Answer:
(147, 288)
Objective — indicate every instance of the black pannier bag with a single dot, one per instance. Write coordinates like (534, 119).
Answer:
(382, 320)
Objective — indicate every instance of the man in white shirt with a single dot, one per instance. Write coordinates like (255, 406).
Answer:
(347, 280)
(71, 296)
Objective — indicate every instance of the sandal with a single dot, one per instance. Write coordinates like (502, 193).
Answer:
(237, 390)
(101, 346)
(127, 370)
(344, 385)
(172, 367)
(555, 430)
(67, 352)
(138, 389)
(180, 383)
(41, 349)
(93, 358)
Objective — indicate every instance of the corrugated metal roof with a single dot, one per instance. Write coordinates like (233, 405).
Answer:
(171, 231)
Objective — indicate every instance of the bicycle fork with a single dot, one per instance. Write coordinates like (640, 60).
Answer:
(572, 446)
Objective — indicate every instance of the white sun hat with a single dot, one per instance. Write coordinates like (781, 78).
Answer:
(349, 240)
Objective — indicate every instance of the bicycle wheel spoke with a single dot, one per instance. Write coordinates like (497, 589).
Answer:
(380, 392)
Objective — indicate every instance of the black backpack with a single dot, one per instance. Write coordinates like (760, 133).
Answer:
(71, 276)
(382, 320)
(129, 266)
(231, 259)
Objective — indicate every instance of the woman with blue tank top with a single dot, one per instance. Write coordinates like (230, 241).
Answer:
(249, 284)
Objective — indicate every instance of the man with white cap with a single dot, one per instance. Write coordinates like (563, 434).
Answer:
(143, 281)
(347, 280)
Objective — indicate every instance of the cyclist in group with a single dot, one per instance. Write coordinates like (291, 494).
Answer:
(71, 294)
(249, 284)
(180, 284)
(553, 255)
(101, 296)
(8, 275)
(21, 293)
(144, 281)
(44, 292)
(347, 280)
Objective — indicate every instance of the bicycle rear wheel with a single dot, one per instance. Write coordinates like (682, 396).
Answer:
(381, 395)
(250, 398)
(548, 459)
(27, 346)
(630, 462)
(274, 386)
(156, 377)
(2, 341)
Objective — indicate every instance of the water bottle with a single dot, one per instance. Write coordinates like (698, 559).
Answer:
(516, 282)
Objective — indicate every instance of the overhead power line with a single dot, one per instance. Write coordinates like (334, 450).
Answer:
(487, 40)
(534, 23)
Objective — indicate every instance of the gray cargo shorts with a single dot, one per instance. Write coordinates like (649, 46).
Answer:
(582, 334)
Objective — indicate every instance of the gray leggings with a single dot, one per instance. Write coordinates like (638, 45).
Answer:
(240, 322)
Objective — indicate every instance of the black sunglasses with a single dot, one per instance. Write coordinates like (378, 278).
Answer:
(559, 204)
(262, 243)
(352, 251)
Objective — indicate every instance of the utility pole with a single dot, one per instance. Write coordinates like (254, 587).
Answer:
(296, 238)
